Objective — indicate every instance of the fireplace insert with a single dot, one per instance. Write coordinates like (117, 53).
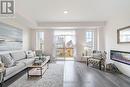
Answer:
(120, 56)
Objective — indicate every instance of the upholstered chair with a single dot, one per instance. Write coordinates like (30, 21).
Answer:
(98, 59)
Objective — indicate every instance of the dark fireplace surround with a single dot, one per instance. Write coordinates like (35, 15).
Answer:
(120, 56)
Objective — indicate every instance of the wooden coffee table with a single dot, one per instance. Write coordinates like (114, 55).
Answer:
(37, 70)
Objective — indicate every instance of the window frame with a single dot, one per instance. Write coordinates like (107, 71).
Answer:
(39, 42)
(93, 42)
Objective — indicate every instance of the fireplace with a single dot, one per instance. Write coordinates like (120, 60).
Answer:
(120, 56)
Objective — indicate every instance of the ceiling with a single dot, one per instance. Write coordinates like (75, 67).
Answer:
(78, 10)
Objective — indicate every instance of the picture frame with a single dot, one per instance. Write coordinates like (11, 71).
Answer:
(11, 38)
(123, 35)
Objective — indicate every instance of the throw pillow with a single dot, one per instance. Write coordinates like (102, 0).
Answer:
(8, 60)
(30, 54)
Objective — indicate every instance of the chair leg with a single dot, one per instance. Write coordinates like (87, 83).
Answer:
(105, 68)
(100, 66)
(1, 84)
(87, 63)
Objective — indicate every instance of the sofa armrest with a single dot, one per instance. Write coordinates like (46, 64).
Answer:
(1, 66)
(2, 71)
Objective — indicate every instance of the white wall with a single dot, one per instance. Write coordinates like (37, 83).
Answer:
(26, 31)
(114, 23)
(101, 38)
(80, 42)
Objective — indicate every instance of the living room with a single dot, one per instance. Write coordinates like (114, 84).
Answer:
(66, 33)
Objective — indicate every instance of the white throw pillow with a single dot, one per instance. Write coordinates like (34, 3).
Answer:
(8, 60)
(30, 54)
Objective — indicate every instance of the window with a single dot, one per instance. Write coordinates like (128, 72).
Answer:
(90, 40)
(40, 40)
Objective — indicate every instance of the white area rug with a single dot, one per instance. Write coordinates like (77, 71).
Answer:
(53, 77)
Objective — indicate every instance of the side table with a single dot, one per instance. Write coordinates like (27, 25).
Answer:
(2, 71)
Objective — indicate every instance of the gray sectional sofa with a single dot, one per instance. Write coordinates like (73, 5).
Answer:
(15, 62)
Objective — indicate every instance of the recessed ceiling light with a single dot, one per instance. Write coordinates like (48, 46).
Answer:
(65, 12)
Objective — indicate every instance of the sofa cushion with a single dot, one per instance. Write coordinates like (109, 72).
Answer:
(30, 54)
(13, 69)
(7, 60)
(18, 55)
(28, 61)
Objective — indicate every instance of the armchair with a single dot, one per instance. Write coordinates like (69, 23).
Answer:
(98, 59)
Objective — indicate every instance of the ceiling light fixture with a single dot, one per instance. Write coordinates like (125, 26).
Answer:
(65, 12)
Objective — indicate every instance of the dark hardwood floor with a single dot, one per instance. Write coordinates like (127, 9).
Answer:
(77, 74)
(14, 78)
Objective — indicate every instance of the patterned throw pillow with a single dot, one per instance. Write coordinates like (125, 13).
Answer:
(8, 60)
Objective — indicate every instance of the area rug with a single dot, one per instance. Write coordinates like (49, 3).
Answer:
(53, 77)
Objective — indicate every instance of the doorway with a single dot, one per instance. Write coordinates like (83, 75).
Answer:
(65, 45)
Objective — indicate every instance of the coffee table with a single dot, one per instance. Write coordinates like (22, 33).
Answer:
(37, 70)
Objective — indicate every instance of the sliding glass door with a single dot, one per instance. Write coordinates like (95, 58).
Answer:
(64, 46)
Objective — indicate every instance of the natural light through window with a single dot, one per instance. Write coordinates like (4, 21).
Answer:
(90, 40)
(40, 40)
